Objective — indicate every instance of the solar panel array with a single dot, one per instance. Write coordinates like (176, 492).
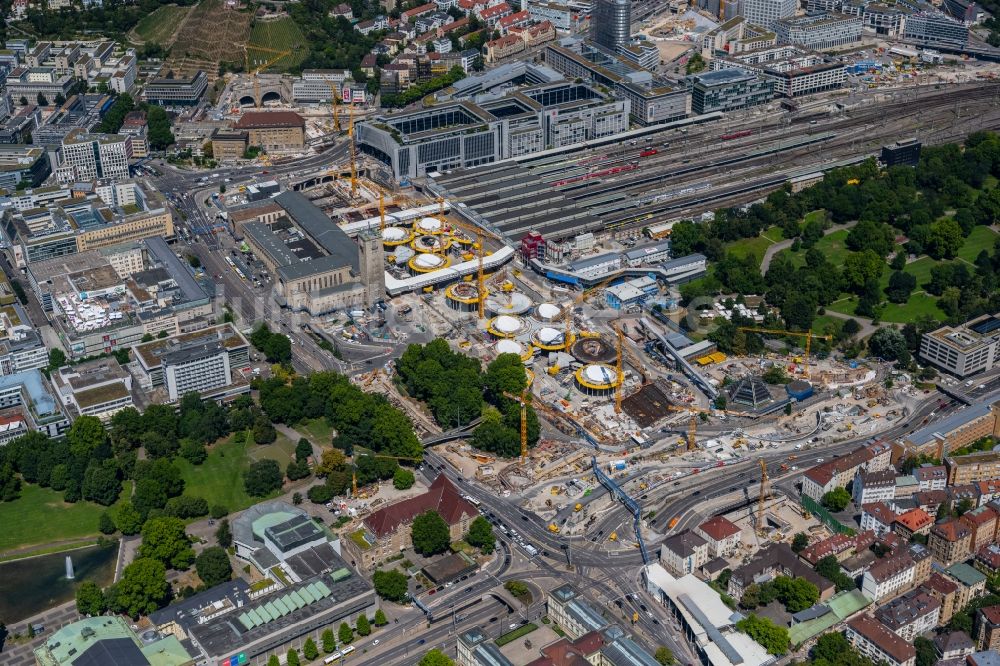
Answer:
(285, 604)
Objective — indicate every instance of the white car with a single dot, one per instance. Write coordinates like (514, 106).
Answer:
(375, 642)
(819, 460)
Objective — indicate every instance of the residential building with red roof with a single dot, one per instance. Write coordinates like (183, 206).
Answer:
(837, 473)
(516, 19)
(914, 521)
(387, 531)
(986, 630)
(564, 652)
(418, 11)
(877, 517)
(949, 542)
(538, 33)
(492, 15)
(989, 490)
(840, 546)
(722, 535)
(506, 46)
(872, 639)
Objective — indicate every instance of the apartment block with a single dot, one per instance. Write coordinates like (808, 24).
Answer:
(983, 522)
(986, 629)
(878, 518)
(891, 574)
(873, 640)
(945, 591)
(684, 553)
(837, 473)
(874, 486)
(722, 536)
(949, 542)
(931, 477)
(971, 583)
(914, 521)
(911, 614)
(972, 468)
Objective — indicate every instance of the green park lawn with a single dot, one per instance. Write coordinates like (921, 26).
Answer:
(981, 238)
(833, 246)
(756, 246)
(316, 431)
(219, 479)
(41, 516)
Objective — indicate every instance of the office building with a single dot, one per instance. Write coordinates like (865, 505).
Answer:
(611, 23)
(563, 17)
(63, 226)
(795, 72)
(766, 12)
(572, 613)
(273, 131)
(30, 82)
(464, 134)
(317, 267)
(27, 403)
(23, 166)
(206, 361)
(819, 30)
(184, 91)
(94, 156)
(935, 29)
(228, 145)
(108, 640)
(652, 100)
(94, 388)
(21, 346)
(318, 86)
(885, 20)
(728, 90)
(955, 431)
(476, 649)
(963, 350)
(903, 152)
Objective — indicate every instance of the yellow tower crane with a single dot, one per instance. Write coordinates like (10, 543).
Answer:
(523, 399)
(354, 472)
(335, 103)
(808, 335)
(693, 423)
(253, 74)
(480, 248)
(619, 373)
(354, 166)
(381, 210)
(765, 490)
(580, 298)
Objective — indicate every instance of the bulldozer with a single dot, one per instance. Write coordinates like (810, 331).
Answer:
(553, 528)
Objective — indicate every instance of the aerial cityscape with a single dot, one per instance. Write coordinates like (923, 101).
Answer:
(500, 332)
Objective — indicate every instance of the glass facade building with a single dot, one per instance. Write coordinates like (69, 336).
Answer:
(610, 23)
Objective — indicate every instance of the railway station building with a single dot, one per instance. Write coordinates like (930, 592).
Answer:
(466, 134)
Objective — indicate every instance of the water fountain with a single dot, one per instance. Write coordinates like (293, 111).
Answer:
(69, 568)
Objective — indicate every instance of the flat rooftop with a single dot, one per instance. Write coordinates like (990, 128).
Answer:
(154, 353)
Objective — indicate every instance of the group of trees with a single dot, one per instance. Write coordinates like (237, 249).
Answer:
(829, 568)
(837, 499)
(935, 205)
(771, 637)
(113, 18)
(457, 391)
(430, 534)
(416, 92)
(795, 594)
(115, 116)
(276, 347)
(359, 418)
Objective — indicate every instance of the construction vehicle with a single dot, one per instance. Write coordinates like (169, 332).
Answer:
(643, 485)
(553, 369)
(673, 523)
(553, 528)
(613, 536)
(783, 467)
(635, 615)
(808, 335)
(554, 490)
(578, 507)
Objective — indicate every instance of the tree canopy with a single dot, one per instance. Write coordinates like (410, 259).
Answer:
(430, 533)
(771, 637)
(213, 566)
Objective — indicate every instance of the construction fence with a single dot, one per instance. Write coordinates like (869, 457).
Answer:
(815, 508)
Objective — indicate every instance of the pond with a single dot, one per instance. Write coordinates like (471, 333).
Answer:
(29, 586)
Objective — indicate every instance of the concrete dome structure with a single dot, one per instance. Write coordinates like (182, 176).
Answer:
(513, 303)
(507, 346)
(507, 326)
(429, 225)
(401, 254)
(393, 236)
(426, 262)
(551, 339)
(548, 312)
(597, 379)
